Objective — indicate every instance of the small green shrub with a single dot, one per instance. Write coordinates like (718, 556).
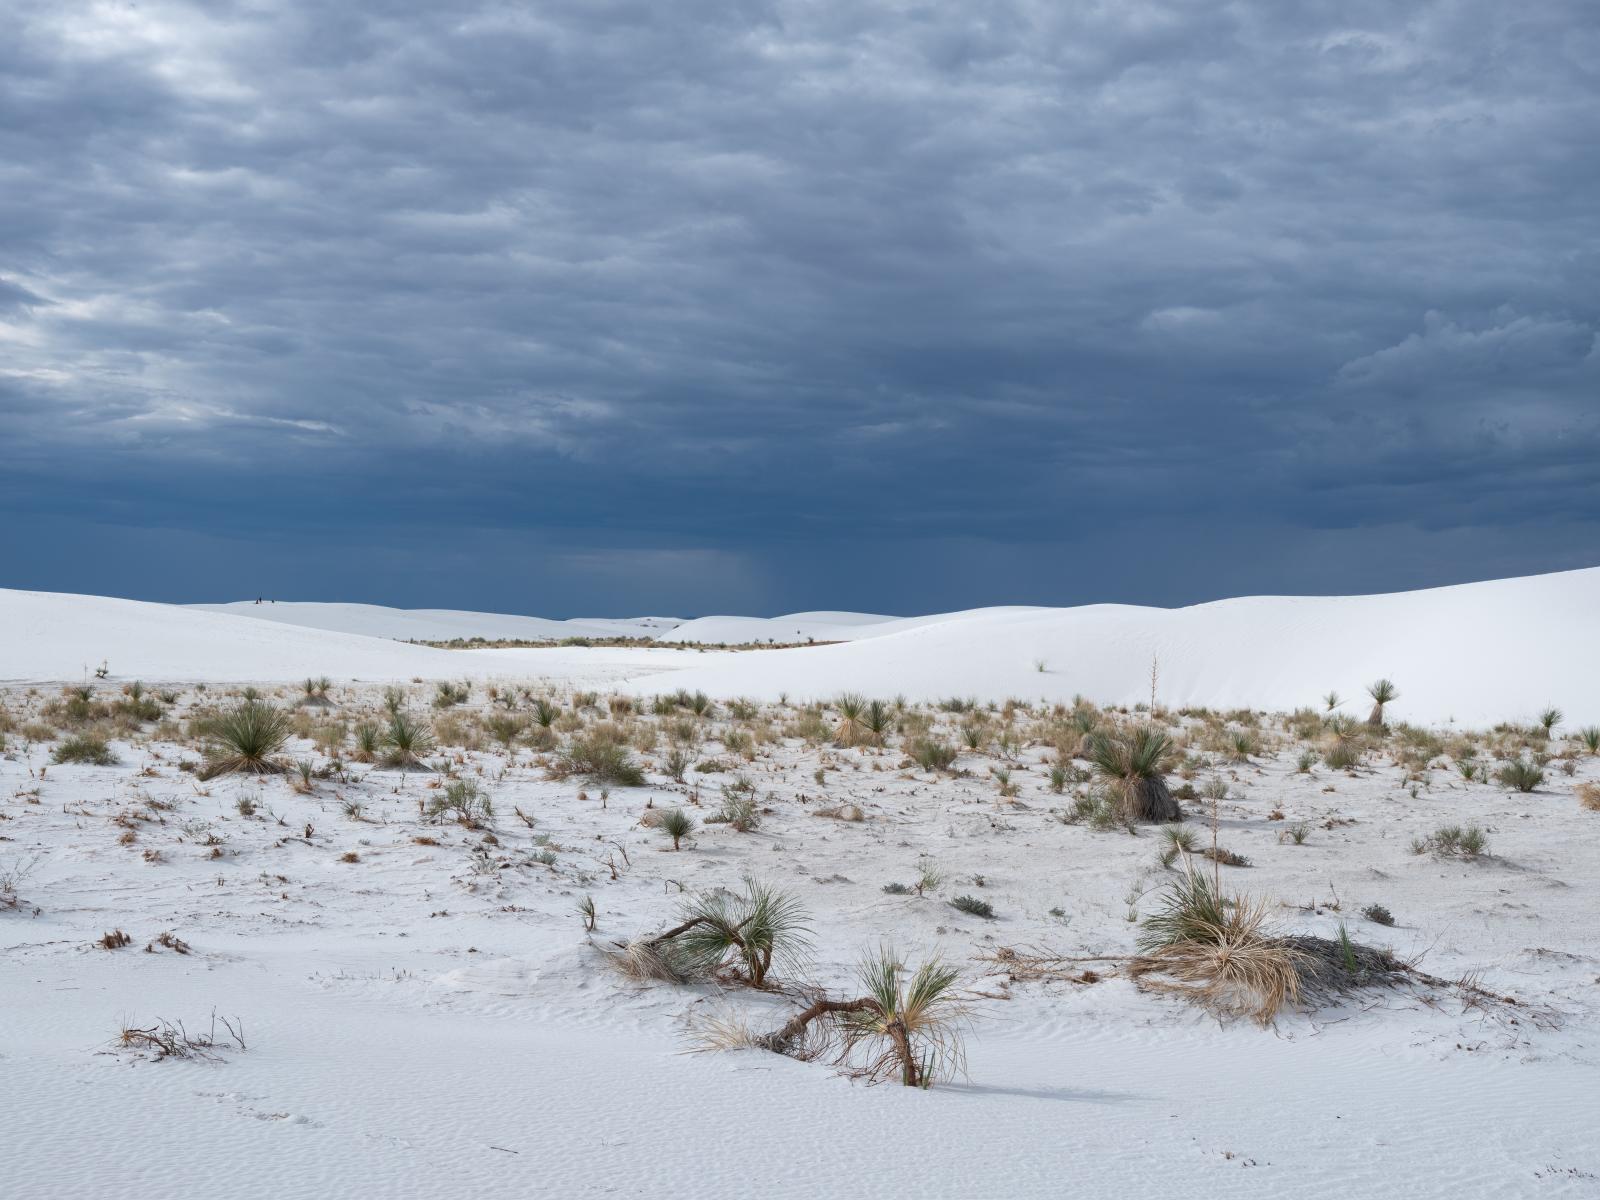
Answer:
(974, 907)
(84, 748)
(464, 801)
(448, 695)
(600, 758)
(1521, 775)
(933, 755)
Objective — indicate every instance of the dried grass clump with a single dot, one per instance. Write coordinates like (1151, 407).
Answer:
(169, 1039)
(841, 812)
(643, 960)
(1589, 796)
(1218, 952)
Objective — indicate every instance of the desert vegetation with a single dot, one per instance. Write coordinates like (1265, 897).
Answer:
(512, 790)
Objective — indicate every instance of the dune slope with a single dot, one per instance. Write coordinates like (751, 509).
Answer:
(1472, 653)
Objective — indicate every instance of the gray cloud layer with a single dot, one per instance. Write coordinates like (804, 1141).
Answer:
(769, 305)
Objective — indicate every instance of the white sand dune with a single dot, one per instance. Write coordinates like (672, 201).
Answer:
(795, 627)
(1473, 653)
(437, 624)
(57, 637)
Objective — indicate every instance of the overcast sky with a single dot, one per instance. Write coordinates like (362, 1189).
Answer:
(592, 307)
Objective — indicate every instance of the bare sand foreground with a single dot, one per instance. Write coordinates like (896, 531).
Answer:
(408, 1003)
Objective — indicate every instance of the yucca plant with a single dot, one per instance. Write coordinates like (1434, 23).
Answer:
(752, 931)
(1242, 744)
(677, 825)
(406, 740)
(1589, 735)
(1130, 768)
(850, 727)
(876, 722)
(369, 741)
(912, 1028)
(248, 735)
(1191, 910)
(1383, 693)
(544, 713)
(1179, 839)
(1549, 719)
(1343, 744)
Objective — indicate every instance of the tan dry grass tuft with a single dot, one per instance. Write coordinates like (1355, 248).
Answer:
(1230, 965)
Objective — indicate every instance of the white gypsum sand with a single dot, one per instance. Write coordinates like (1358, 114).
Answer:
(423, 1013)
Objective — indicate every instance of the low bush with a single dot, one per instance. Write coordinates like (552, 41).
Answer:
(1520, 775)
(933, 755)
(84, 748)
(600, 758)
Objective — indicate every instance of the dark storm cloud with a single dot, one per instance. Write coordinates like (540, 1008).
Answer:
(780, 305)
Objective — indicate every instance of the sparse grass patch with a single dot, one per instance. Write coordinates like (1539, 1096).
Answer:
(1452, 841)
(933, 755)
(601, 758)
(87, 748)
